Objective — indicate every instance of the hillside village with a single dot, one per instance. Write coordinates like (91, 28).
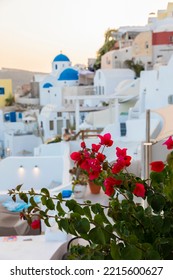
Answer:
(74, 97)
(125, 91)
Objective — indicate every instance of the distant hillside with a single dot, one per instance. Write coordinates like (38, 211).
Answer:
(18, 77)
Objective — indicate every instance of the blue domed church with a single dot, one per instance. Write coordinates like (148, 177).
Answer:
(52, 117)
(62, 75)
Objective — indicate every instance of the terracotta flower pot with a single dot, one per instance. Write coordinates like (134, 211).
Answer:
(95, 189)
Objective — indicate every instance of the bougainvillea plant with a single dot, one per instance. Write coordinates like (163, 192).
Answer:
(124, 228)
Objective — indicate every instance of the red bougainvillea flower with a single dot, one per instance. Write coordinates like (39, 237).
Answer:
(101, 157)
(109, 190)
(169, 143)
(93, 175)
(110, 183)
(157, 166)
(76, 156)
(117, 167)
(121, 152)
(139, 190)
(35, 224)
(95, 148)
(123, 159)
(92, 166)
(83, 145)
(106, 140)
(85, 165)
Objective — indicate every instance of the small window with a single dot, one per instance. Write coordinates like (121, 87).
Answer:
(171, 39)
(2, 91)
(56, 66)
(146, 45)
(59, 114)
(170, 99)
(51, 125)
(123, 129)
(100, 90)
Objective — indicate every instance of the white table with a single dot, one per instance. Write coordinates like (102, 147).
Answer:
(28, 248)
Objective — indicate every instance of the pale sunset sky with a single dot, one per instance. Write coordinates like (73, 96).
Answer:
(33, 32)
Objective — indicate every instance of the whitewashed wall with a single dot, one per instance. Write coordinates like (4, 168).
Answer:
(36, 172)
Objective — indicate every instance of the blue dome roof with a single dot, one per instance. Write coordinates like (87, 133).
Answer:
(68, 74)
(47, 85)
(61, 57)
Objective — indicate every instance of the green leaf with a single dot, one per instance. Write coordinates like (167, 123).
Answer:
(23, 196)
(129, 195)
(32, 201)
(49, 203)
(115, 251)
(14, 197)
(31, 192)
(59, 197)
(151, 254)
(104, 218)
(168, 191)
(82, 226)
(131, 252)
(157, 202)
(64, 224)
(97, 236)
(43, 213)
(132, 239)
(43, 200)
(167, 224)
(157, 223)
(98, 219)
(96, 208)
(19, 187)
(71, 204)
(87, 212)
(46, 221)
(156, 177)
(45, 192)
(72, 229)
(78, 209)
(60, 210)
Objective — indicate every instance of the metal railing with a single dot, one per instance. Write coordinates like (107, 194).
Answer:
(87, 133)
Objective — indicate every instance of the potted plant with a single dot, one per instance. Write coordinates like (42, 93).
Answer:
(122, 229)
(79, 182)
(92, 162)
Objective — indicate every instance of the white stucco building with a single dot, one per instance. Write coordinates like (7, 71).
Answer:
(106, 80)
